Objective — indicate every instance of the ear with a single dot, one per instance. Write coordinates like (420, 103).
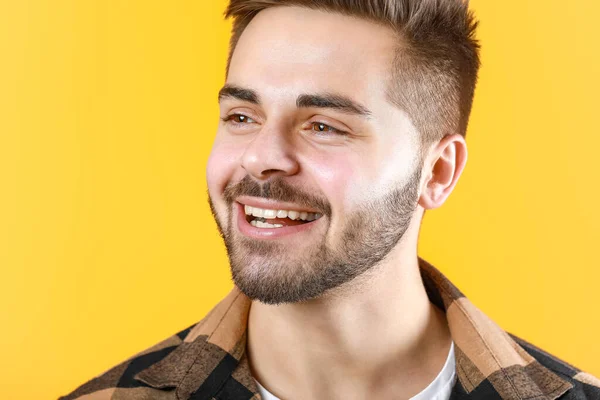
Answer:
(444, 165)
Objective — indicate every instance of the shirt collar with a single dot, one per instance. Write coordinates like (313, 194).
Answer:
(213, 350)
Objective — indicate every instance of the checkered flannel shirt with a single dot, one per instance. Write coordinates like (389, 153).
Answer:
(208, 359)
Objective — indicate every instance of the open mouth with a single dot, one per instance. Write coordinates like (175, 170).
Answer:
(272, 219)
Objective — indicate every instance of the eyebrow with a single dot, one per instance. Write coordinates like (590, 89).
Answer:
(239, 93)
(334, 101)
(326, 100)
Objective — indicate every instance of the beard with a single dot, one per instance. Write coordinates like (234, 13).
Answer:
(273, 273)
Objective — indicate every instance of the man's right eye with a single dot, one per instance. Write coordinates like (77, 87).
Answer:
(239, 119)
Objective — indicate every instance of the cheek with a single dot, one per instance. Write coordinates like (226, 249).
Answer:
(338, 178)
(221, 168)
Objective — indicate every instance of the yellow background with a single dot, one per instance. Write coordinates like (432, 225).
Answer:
(107, 113)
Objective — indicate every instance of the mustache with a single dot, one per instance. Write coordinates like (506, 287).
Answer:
(275, 189)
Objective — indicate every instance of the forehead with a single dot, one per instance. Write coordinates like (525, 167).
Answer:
(289, 50)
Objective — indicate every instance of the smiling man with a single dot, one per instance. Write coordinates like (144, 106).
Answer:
(342, 121)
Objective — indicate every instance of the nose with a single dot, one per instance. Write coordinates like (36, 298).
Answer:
(270, 153)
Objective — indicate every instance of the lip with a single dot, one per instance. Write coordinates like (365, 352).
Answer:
(267, 233)
(268, 204)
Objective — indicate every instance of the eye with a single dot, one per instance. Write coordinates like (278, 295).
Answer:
(320, 128)
(239, 119)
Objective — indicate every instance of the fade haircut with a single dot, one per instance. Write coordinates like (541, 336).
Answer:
(435, 67)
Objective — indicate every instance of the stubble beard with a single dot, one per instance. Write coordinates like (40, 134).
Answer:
(274, 274)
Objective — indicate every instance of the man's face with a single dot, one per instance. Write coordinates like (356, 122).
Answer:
(309, 146)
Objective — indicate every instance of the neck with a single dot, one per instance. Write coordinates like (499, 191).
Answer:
(376, 336)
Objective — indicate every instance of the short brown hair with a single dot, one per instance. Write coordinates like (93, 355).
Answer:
(435, 69)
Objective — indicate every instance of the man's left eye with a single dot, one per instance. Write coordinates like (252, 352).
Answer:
(321, 127)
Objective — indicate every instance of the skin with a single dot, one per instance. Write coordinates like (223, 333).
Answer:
(377, 335)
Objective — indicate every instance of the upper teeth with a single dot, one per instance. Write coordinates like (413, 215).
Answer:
(272, 214)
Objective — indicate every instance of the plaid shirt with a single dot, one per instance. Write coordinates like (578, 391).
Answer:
(208, 359)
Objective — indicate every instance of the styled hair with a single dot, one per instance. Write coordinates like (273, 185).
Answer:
(435, 67)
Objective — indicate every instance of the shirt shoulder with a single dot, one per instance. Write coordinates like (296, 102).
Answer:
(119, 382)
(585, 386)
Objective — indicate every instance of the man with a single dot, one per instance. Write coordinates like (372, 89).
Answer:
(342, 122)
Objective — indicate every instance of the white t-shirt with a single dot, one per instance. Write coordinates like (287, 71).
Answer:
(439, 389)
